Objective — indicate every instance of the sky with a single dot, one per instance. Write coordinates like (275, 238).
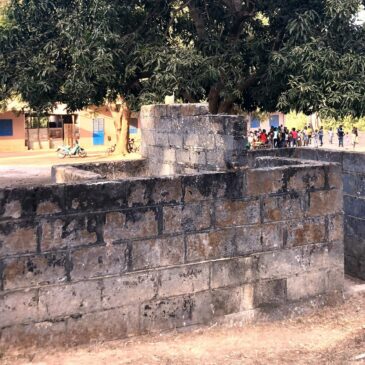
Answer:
(361, 17)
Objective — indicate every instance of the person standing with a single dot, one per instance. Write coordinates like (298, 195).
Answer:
(320, 135)
(340, 135)
(330, 135)
(355, 136)
(315, 138)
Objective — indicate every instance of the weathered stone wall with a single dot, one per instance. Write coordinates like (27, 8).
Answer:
(186, 138)
(107, 260)
(110, 170)
(353, 176)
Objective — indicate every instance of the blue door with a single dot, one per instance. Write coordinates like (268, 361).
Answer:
(98, 132)
(255, 123)
(274, 121)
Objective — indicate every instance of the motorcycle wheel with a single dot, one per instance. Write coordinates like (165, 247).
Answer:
(61, 154)
(82, 153)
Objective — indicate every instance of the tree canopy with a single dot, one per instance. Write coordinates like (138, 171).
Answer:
(238, 55)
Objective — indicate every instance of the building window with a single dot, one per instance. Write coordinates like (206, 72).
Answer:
(274, 121)
(6, 127)
(255, 123)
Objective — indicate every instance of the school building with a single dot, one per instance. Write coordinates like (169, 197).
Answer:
(94, 127)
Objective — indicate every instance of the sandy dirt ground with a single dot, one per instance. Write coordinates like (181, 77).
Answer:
(34, 167)
(333, 336)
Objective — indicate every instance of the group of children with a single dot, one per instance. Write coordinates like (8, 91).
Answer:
(282, 137)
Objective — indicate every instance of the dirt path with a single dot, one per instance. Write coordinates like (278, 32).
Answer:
(331, 336)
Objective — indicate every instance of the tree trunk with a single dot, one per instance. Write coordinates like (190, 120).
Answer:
(122, 145)
(38, 133)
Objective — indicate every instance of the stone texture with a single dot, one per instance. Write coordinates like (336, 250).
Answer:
(212, 245)
(306, 232)
(16, 238)
(128, 289)
(91, 262)
(237, 213)
(35, 270)
(186, 218)
(71, 299)
(171, 313)
(18, 307)
(130, 224)
(307, 285)
(103, 326)
(233, 272)
(282, 207)
(158, 252)
(187, 279)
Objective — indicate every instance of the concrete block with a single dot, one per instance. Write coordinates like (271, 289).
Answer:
(175, 140)
(217, 160)
(34, 270)
(18, 307)
(353, 162)
(306, 285)
(354, 206)
(282, 207)
(186, 279)
(161, 139)
(264, 181)
(129, 289)
(187, 218)
(24, 336)
(273, 236)
(176, 312)
(270, 293)
(336, 228)
(248, 240)
(159, 252)
(91, 262)
(306, 178)
(71, 299)
(197, 158)
(325, 202)
(95, 196)
(306, 232)
(16, 238)
(200, 187)
(232, 300)
(134, 223)
(335, 280)
(69, 232)
(298, 260)
(237, 212)
(211, 245)
(233, 272)
(102, 326)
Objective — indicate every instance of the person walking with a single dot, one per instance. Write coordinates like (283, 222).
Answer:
(320, 135)
(330, 135)
(340, 135)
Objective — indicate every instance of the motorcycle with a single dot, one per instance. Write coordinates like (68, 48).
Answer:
(64, 151)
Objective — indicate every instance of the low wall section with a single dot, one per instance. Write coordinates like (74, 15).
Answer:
(353, 175)
(108, 260)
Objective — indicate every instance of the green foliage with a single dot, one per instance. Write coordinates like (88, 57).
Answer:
(347, 122)
(264, 54)
(296, 120)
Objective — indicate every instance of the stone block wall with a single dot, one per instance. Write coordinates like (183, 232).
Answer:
(186, 138)
(352, 173)
(107, 260)
(353, 176)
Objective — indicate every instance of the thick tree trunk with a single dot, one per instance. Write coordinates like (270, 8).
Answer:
(122, 145)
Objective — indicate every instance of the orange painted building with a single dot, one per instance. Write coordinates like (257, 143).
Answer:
(12, 127)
